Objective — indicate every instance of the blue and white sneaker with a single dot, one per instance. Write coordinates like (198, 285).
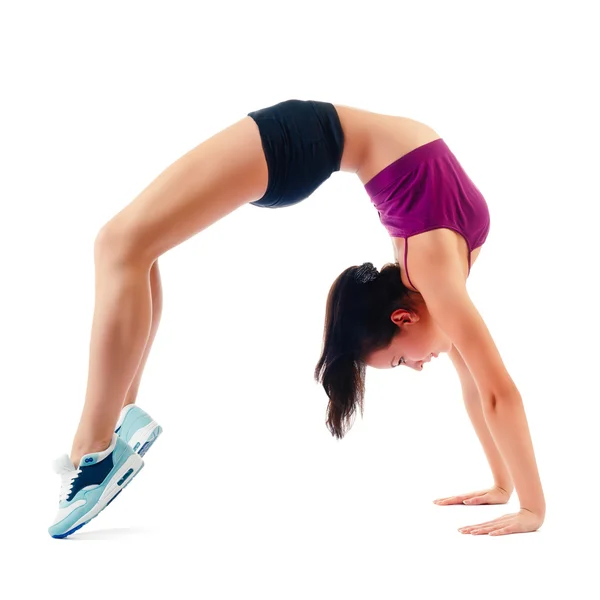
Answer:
(137, 428)
(90, 488)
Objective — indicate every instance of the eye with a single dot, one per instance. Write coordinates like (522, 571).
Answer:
(401, 362)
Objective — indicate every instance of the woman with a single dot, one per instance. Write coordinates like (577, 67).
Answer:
(413, 310)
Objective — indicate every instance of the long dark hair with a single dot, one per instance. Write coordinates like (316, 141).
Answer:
(357, 323)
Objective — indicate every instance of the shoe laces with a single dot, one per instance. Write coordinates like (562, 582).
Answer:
(67, 475)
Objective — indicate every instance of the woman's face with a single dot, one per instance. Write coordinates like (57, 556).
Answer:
(418, 340)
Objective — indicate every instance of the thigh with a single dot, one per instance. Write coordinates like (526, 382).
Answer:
(210, 181)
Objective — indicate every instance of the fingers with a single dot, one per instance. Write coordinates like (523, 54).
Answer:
(450, 500)
(502, 523)
(488, 529)
(495, 530)
(478, 500)
(458, 499)
(504, 531)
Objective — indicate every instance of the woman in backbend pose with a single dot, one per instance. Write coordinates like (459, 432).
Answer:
(411, 311)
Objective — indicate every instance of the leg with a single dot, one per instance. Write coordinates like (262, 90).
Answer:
(156, 294)
(212, 180)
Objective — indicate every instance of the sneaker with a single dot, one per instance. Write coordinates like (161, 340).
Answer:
(90, 488)
(137, 428)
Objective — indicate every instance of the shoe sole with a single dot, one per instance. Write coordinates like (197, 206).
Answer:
(141, 441)
(119, 481)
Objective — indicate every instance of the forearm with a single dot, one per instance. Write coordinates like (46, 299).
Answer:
(507, 424)
(500, 472)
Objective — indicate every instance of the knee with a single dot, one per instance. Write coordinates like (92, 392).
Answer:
(120, 244)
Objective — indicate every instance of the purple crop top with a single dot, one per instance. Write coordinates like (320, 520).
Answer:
(428, 189)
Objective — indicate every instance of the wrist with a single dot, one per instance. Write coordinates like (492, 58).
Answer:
(509, 488)
(535, 503)
(540, 511)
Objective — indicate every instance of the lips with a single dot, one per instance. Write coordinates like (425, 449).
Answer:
(428, 359)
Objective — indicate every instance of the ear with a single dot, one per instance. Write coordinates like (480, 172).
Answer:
(402, 316)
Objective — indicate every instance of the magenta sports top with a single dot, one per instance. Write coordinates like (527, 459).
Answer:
(427, 189)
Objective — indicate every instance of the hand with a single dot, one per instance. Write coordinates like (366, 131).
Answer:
(495, 495)
(521, 522)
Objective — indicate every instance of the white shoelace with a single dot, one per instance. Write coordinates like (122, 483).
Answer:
(67, 484)
(64, 468)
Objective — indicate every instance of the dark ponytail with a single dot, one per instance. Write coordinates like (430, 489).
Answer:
(357, 323)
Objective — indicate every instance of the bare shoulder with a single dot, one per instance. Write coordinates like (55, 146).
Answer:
(439, 277)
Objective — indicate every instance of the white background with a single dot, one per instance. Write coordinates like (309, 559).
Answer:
(246, 494)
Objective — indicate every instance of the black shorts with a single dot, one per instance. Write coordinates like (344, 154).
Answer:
(303, 143)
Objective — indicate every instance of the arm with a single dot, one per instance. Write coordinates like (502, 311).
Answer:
(472, 400)
(439, 278)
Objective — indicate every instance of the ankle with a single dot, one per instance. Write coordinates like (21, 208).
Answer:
(131, 396)
(83, 447)
(128, 401)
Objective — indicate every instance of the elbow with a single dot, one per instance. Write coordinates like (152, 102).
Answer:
(495, 400)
